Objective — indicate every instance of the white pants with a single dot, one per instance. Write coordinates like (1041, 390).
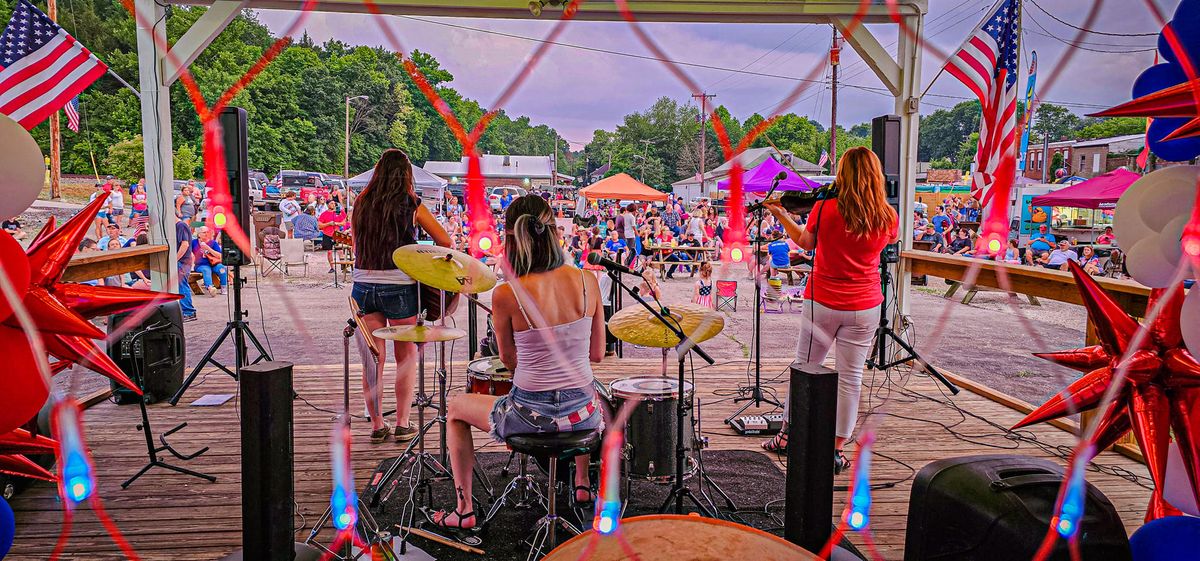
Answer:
(853, 331)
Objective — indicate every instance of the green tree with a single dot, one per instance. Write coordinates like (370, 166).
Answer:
(943, 163)
(1056, 162)
(943, 131)
(966, 151)
(186, 162)
(1056, 121)
(1115, 126)
(124, 159)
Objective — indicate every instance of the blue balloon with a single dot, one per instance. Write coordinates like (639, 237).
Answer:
(8, 528)
(1186, 24)
(1166, 539)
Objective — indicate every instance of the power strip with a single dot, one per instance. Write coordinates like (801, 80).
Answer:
(770, 423)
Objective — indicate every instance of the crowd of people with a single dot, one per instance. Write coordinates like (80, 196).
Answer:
(945, 232)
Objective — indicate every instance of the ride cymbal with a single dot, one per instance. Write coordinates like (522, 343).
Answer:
(444, 268)
(637, 326)
(419, 333)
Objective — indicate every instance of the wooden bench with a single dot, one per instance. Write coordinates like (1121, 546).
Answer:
(195, 279)
(973, 290)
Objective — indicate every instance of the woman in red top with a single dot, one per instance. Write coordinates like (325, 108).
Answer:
(843, 295)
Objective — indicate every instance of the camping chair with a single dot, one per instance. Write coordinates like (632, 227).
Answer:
(271, 257)
(293, 255)
(726, 294)
(772, 294)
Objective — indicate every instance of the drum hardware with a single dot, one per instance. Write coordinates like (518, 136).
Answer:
(678, 326)
(367, 528)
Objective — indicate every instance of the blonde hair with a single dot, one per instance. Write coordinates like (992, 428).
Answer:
(531, 236)
(861, 198)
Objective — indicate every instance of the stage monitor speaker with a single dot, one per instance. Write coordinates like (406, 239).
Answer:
(885, 142)
(150, 353)
(998, 508)
(237, 168)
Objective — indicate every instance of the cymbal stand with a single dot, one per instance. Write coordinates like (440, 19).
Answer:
(367, 527)
(679, 489)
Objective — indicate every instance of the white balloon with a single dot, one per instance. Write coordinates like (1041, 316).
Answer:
(1152, 202)
(1147, 264)
(24, 170)
(1127, 222)
(1170, 239)
(1189, 321)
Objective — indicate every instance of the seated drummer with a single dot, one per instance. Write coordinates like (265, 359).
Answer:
(547, 330)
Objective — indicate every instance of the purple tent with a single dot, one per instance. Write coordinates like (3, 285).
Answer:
(759, 179)
(1101, 191)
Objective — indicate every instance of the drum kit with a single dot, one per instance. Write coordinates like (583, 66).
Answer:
(662, 445)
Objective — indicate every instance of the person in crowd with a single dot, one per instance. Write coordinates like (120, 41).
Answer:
(930, 235)
(207, 259)
(333, 220)
(505, 200)
(1042, 241)
(88, 245)
(702, 294)
(112, 233)
(779, 252)
(547, 330)
(1114, 265)
(919, 221)
(290, 209)
(389, 214)
(116, 204)
(941, 222)
(629, 232)
(1057, 259)
(961, 244)
(1106, 238)
(184, 260)
(140, 278)
(117, 280)
(305, 225)
(615, 247)
(842, 297)
(12, 226)
(670, 217)
(1012, 254)
(101, 219)
(689, 240)
(1088, 260)
(185, 205)
(140, 208)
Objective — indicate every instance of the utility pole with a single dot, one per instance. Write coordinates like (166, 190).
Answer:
(55, 133)
(1045, 149)
(835, 55)
(703, 97)
(645, 157)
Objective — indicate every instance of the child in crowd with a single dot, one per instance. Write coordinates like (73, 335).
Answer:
(702, 294)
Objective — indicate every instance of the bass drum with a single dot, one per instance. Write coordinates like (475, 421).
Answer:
(672, 537)
(651, 434)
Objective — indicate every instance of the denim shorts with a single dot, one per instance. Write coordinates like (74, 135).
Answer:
(526, 412)
(394, 301)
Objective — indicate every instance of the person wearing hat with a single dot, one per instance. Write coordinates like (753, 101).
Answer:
(1041, 241)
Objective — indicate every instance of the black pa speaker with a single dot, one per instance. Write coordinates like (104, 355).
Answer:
(998, 508)
(151, 353)
(885, 143)
(237, 168)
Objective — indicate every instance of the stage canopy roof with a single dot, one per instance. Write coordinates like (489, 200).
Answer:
(760, 179)
(1101, 191)
(622, 187)
(421, 179)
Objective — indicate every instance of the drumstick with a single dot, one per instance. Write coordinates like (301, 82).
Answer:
(442, 540)
(362, 327)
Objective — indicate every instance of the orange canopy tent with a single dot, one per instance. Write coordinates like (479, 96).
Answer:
(622, 187)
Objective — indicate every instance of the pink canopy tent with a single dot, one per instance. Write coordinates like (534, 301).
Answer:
(1100, 192)
(760, 178)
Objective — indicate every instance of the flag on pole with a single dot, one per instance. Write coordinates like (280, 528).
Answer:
(1028, 109)
(987, 64)
(824, 159)
(72, 111)
(41, 66)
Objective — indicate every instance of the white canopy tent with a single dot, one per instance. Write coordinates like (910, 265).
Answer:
(159, 68)
(431, 188)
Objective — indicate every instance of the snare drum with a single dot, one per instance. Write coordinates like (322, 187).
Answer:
(650, 436)
(488, 376)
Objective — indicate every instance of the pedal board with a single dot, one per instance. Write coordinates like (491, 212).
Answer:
(758, 424)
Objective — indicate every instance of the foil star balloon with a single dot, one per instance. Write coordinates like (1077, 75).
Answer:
(15, 444)
(1179, 100)
(1161, 393)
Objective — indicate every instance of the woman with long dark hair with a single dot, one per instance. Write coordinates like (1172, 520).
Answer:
(549, 327)
(387, 215)
(843, 296)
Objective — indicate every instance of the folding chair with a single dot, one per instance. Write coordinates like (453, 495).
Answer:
(772, 294)
(726, 294)
(271, 257)
(293, 255)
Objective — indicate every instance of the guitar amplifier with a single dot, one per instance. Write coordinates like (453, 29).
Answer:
(151, 354)
(770, 423)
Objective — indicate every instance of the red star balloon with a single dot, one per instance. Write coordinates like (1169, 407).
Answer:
(1176, 101)
(1161, 393)
(18, 442)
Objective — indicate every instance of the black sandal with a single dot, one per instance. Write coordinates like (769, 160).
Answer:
(591, 500)
(840, 462)
(777, 444)
(441, 522)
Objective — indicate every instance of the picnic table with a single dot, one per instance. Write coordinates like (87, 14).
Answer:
(661, 252)
(954, 285)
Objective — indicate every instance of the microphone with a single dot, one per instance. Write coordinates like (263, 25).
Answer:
(594, 258)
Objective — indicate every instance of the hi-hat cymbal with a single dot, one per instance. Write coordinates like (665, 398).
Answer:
(444, 268)
(419, 333)
(637, 326)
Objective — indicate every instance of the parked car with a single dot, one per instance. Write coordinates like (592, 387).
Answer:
(256, 193)
(497, 193)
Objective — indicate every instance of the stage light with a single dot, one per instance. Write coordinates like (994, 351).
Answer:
(994, 245)
(736, 254)
(1071, 511)
(219, 217)
(344, 500)
(858, 512)
(610, 511)
(858, 521)
(485, 243)
(1192, 247)
(78, 481)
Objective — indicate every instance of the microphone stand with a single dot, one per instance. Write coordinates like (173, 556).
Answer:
(753, 395)
(679, 491)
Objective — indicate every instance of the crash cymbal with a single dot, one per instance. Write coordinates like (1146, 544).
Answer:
(444, 268)
(637, 326)
(419, 333)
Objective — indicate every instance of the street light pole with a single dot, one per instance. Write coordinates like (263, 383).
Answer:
(346, 154)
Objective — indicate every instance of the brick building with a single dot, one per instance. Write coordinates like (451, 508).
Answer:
(1035, 162)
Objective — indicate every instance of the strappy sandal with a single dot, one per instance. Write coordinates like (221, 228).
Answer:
(840, 462)
(777, 444)
(440, 521)
(591, 500)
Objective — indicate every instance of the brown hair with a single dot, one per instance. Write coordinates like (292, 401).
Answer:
(861, 198)
(384, 213)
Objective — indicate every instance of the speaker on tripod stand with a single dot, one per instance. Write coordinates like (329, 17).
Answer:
(154, 360)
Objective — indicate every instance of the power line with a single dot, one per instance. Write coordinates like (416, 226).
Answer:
(1079, 45)
(760, 57)
(1092, 31)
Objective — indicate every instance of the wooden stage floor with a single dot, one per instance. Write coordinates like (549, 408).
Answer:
(170, 516)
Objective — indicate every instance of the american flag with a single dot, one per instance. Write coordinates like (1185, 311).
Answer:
(987, 65)
(72, 111)
(824, 159)
(41, 66)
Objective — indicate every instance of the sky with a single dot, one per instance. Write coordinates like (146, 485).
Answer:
(577, 91)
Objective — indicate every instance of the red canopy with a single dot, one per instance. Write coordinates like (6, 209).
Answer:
(1101, 191)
